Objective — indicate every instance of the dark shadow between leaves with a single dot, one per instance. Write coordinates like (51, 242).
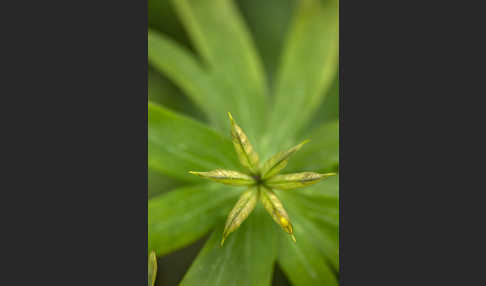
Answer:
(173, 266)
(279, 278)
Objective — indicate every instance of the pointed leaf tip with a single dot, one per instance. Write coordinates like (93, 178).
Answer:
(279, 161)
(244, 150)
(293, 238)
(296, 180)
(200, 174)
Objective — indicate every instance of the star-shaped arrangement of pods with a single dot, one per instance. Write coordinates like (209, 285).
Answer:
(260, 179)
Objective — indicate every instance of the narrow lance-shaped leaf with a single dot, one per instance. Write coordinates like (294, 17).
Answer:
(152, 268)
(276, 210)
(278, 161)
(314, 260)
(242, 209)
(224, 43)
(181, 216)
(182, 67)
(159, 183)
(296, 180)
(304, 264)
(247, 258)
(328, 110)
(178, 144)
(162, 91)
(227, 177)
(307, 69)
(318, 218)
(246, 154)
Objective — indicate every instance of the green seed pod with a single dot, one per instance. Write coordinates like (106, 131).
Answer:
(276, 210)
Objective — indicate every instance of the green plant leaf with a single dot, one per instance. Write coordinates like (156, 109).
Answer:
(328, 188)
(160, 90)
(315, 211)
(246, 154)
(181, 216)
(318, 218)
(318, 208)
(163, 92)
(152, 268)
(278, 161)
(276, 210)
(303, 262)
(329, 109)
(179, 65)
(307, 69)
(268, 22)
(296, 180)
(227, 177)
(223, 41)
(158, 183)
(162, 18)
(177, 145)
(242, 209)
(247, 257)
(322, 152)
(325, 238)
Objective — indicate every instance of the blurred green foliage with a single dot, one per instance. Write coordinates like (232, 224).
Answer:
(273, 64)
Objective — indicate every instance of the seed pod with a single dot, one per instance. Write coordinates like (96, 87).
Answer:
(246, 154)
(296, 180)
(152, 268)
(227, 177)
(276, 210)
(242, 209)
(278, 161)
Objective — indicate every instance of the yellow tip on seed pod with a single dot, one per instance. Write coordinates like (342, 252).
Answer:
(284, 222)
(230, 117)
(222, 242)
(293, 238)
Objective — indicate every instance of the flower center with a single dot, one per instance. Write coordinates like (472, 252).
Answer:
(258, 179)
